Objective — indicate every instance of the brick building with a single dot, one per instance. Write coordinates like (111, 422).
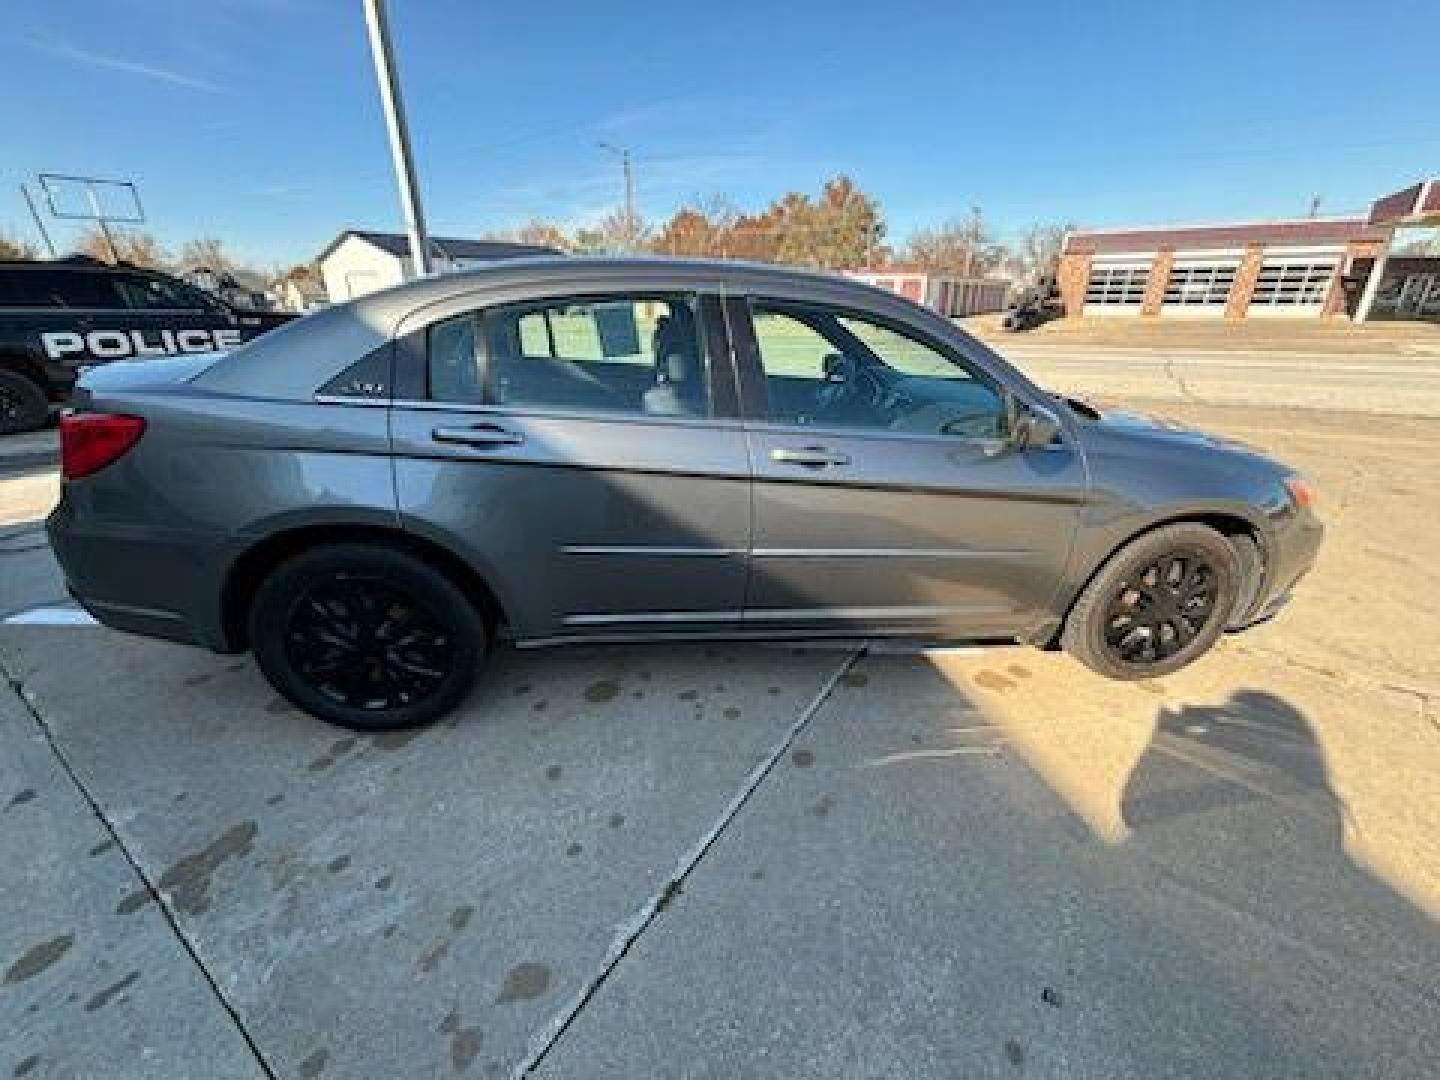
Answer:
(1271, 269)
(1300, 268)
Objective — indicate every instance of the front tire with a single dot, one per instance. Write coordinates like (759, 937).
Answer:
(1157, 605)
(366, 637)
(23, 405)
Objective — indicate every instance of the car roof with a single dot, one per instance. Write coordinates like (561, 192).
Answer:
(78, 264)
(558, 268)
(291, 361)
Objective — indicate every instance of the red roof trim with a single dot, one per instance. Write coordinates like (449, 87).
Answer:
(1297, 231)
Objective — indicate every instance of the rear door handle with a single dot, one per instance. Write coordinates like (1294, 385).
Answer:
(812, 457)
(479, 435)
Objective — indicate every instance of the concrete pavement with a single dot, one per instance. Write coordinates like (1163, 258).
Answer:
(95, 981)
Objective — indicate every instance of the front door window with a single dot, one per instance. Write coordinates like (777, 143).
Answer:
(831, 368)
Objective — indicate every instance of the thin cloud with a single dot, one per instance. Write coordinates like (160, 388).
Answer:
(286, 191)
(130, 67)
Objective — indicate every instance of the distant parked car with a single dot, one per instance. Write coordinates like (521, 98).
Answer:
(620, 450)
(60, 316)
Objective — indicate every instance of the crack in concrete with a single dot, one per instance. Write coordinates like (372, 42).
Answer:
(1425, 698)
(629, 932)
(17, 686)
(1179, 380)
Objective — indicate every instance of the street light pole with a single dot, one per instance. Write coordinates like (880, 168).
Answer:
(630, 230)
(394, 109)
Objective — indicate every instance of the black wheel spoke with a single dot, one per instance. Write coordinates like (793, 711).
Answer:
(1161, 609)
(365, 643)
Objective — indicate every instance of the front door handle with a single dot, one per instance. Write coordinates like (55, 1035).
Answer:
(479, 435)
(812, 457)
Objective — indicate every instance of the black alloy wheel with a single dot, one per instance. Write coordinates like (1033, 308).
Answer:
(365, 644)
(1157, 604)
(1161, 609)
(366, 637)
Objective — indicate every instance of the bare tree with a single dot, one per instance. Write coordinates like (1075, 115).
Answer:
(620, 231)
(131, 245)
(208, 252)
(11, 247)
(965, 248)
(1039, 252)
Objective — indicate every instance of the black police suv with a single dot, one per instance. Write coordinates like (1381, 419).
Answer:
(59, 316)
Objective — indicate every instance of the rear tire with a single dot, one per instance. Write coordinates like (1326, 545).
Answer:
(23, 404)
(366, 637)
(1157, 605)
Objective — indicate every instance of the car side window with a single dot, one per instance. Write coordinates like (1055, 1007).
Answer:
(454, 363)
(641, 354)
(834, 368)
(87, 289)
(152, 294)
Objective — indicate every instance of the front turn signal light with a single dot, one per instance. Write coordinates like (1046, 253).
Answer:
(1302, 492)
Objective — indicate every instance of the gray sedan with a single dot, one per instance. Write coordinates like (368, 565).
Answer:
(565, 450)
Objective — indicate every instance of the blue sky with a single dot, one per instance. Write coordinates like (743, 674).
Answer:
(258, 120)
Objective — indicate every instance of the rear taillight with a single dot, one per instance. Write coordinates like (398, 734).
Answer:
(90, 441)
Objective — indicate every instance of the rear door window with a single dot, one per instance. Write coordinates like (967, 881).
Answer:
(641, 354)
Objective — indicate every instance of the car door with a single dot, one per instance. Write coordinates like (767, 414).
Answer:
(889, 497)
(65, 304)
(585, 452)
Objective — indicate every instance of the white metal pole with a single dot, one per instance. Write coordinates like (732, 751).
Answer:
(394, 109)
(629, 202)
(623, 153)
(39, 224)
(1372, 284)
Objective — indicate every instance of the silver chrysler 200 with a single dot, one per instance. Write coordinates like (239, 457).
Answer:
(562, 450)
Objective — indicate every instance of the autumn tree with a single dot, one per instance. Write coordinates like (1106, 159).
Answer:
(536, 231)
(841, 228)
(543, 234)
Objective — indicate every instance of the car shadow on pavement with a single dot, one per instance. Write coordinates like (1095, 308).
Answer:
(924, 887)
(1254, 747)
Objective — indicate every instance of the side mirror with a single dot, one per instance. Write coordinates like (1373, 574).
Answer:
(1033, 427)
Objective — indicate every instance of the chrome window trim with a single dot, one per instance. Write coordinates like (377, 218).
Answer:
(629, 618)
(652, 549)
(888, 553)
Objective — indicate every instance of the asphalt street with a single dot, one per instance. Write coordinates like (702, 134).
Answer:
(1355, 382)
(748, 861)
